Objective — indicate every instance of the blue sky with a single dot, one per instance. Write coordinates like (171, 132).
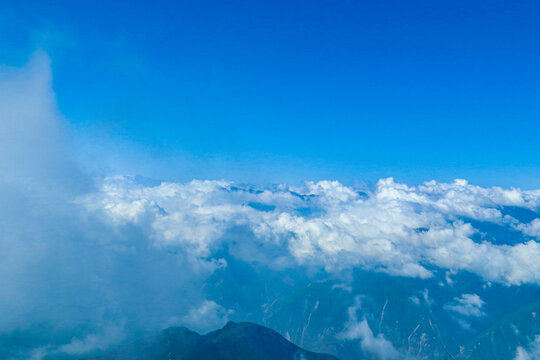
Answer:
(285, 91)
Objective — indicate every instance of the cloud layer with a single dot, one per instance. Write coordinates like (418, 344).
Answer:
(403, 230)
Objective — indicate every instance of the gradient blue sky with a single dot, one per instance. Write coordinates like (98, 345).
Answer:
(283, 91)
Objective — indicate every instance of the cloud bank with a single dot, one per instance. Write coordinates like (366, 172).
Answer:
(399, 229)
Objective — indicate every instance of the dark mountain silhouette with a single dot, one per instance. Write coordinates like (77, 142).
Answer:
(238, 341)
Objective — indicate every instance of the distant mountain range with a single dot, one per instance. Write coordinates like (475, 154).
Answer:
(235, 341)
(412, 314)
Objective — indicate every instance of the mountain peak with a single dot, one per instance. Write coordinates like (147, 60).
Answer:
(229, 325)
(238, 341)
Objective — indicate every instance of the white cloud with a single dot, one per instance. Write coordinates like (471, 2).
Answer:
(39, 353)
(112, 334)
(359, 330)
(531, 229)
(398, 229)
(469, 305)
(414, 299)
(62, 268)
(207, 316)
(532, 352)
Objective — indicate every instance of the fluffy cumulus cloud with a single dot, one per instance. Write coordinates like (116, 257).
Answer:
(467, 305)
(531, 229)
(403, 230)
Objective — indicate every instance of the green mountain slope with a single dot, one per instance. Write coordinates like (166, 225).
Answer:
(500, 341)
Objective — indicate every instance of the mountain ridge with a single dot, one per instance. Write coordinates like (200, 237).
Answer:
(239, 341)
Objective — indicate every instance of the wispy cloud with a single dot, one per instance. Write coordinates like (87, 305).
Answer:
(112, 334)
(207, 315)
(531, 352)
(356, 329)
(59, 264)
